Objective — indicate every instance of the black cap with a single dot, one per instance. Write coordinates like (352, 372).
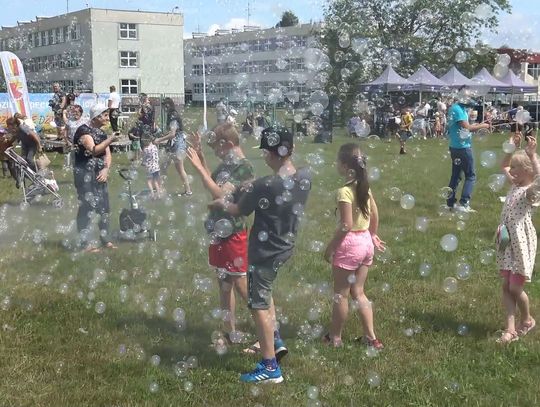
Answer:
(278, 140)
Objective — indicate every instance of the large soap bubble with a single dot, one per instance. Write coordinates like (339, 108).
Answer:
(449, 243)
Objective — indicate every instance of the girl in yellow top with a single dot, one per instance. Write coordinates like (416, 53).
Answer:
(351, 249)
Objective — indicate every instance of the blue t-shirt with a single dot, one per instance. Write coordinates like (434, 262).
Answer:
(459, 137)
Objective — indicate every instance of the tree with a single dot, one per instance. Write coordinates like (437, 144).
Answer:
(288, 19)
(361, 37)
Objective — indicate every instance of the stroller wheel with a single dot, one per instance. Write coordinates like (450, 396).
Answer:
(58, 203)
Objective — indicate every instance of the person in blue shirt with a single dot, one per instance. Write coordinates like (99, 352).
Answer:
(460, 137)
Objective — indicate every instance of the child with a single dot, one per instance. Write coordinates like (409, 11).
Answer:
(228, 250)
(516, 260)
(150, 161)
(405, 131)
(438, 125)
(276, 200)
(134, 135)
(351, 250)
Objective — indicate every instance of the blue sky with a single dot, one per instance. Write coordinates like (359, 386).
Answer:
(521, 29)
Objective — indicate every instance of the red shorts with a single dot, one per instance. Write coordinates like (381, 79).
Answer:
(230, 254)
(515, 279)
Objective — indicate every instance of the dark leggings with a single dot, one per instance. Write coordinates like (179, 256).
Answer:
(93, 197)
(113, 118)
(28, 153)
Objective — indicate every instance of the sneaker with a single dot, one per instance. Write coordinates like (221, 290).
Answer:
(261, 374)
(280, 349)
(464, 208)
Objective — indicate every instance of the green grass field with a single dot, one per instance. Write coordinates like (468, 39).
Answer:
(56, 350)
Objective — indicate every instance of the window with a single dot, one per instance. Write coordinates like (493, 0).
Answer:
(31, 40)
(128, 31)
(129, 59)
(129, 86)
(65, 33)
(196, 70)
(52, 39)
(59, 35)
(74, 32)
(534, 70)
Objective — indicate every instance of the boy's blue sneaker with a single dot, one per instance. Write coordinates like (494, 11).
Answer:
(280, 349)
(262, 375)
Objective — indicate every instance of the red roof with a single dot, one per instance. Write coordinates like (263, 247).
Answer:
(521, 55)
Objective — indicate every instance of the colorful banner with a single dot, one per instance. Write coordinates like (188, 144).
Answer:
(41, 111)
(16, 84)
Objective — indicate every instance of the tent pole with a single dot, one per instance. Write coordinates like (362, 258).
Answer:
(420, 93)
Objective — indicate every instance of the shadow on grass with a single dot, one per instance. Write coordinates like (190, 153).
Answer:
(193, 340)
(445, 322)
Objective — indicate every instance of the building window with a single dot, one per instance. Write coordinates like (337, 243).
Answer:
(129, 59)
(534, 70)
(128, 31)
(52, 39)
(44, 39)
(65, 33)
(74, 32)
(196, 70)
(59, 35)
(129, 86)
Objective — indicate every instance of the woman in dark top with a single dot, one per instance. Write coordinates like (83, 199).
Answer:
(91, 171)
(30, 143)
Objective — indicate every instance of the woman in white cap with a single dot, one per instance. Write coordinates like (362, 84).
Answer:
(91, 171)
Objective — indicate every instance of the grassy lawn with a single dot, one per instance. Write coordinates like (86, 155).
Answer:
(56, 350)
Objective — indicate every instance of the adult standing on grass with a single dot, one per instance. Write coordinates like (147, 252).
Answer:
(176, 143)
(113, 103)
(30, 142)
(277, 201)
(221, 112)
(228, 247)
(58, 103)
(516, 237)
(460, 138)
(91, 172)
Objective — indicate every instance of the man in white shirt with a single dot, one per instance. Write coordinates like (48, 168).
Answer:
(113, 103)
(422, 113)
(442, 108)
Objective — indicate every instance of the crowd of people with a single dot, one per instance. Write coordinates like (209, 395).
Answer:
(247, 263)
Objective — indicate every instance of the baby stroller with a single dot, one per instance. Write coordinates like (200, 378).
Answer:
(133, 223)
(34, 184)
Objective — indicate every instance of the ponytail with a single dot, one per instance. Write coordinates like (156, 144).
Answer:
(350, 155)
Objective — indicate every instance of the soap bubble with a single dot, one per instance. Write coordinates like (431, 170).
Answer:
(155, 360)
(223, 228)
(488, 159)
(373, 379)
(100, 307)
(463, 271)
(188, 386)
(421, 224)
(262, 236)
(486, 257)
(316, 246)
(523, 116)
(362, 129)
(461, 57)
(449, 243)
(508, 147)
(181, 369)
(407, 201)
(395, 194)
(450, 285)
(483, 12)
(496, 182)
(154, 387)
(463, 330)
(374, 174)
(425, 269)
(179, 314)
(446, 192)
(313, 392)
(460, 225)
(264, 203)
(359, 45)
